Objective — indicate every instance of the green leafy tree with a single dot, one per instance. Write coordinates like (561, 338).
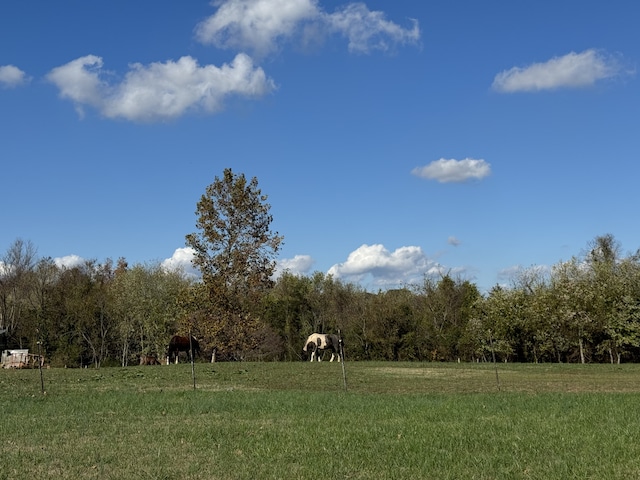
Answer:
(286, 308)
(495, 314)
(445, 307)
(615, 301)
(147, 305)
(398, 319)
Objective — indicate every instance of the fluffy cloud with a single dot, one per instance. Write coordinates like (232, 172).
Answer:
(254, 24)
(261, 25)
(298, 265)
(68, 261)
(569, 71)
(402, 266)
(159, 91)
(11, 76)
(182, 258)
(446, 171)
(181, 261)
(165, 91)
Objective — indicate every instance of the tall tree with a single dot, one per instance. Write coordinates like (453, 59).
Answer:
(235, 251)
(287, 308)
(16, 267)
(146, 305)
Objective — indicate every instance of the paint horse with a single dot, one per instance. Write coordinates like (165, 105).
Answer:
(179, 344)
(317, 343)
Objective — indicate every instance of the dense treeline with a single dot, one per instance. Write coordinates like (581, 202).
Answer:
(584, 310)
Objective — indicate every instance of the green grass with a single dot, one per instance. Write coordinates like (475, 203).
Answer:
(294, 420)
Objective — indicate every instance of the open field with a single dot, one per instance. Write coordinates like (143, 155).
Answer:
(294, 420)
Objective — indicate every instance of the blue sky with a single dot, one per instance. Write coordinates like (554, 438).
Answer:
(394, 139)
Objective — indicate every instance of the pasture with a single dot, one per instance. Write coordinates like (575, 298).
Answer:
(294, 420)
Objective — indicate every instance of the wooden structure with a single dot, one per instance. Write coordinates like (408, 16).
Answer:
(21, 358)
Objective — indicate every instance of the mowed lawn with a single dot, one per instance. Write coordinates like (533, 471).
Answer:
(295, 420)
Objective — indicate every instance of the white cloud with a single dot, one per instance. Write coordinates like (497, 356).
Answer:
(68, 261)
(402, 266)
(453, 241)
(446, 171)
(11, 76)
(79, 81)
(367, 30)
(254, 24)
(261, 25)
(298, 265)
(158, 91)
(569, 71)
(181, 261)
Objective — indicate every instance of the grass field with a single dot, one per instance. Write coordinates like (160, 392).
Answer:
(295, 420)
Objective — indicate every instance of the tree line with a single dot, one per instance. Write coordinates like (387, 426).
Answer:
(586, 309)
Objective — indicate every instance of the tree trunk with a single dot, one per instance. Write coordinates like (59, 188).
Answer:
(125, 353)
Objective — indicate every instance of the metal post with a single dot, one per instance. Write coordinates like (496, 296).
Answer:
(193, 368)
(344, 373)
(493, 355)
(40, 361)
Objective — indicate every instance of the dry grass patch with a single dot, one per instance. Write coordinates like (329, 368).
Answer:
(428, 372)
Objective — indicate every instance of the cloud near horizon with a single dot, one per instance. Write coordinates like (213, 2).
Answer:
(158, 91)
(261, 26)
(403, 266)
(11, 76)
(182, 258)
(369, 266)
(298, 265)
(68, 261)
(451, 170)
(573, 70)
(181, 261)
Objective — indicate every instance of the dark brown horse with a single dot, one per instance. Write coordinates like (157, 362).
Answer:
(179, 344)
